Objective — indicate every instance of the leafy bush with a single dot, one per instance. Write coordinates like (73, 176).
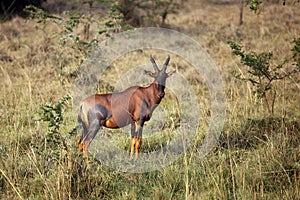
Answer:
(8, 8)
(145, 12)
(255, 5)
(72, 24)
(53, 116)
(261, 73)
(296, 52)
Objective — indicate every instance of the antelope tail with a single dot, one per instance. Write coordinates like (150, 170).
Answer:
(83, 115)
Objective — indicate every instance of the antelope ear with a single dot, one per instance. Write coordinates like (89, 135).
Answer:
(171, 73)
(148, 73)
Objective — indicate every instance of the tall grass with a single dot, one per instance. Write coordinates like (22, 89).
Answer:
(256, 157)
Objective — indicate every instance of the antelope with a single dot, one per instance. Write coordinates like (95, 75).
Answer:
(134, 106)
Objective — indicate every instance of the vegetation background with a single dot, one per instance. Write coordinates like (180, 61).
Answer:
(257, 156)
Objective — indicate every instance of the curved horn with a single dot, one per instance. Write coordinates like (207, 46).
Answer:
(166, 64)
(154, 63)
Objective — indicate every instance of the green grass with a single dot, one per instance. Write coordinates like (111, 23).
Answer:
(257, 157)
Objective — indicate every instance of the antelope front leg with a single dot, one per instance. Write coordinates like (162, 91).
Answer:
(138, 143)
(132, 145)
(134, 127)
(135, 143)
(138, 139)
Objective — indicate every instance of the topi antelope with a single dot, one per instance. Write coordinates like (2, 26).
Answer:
(134, 106)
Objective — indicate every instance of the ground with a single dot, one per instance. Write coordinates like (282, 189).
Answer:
(256, 157)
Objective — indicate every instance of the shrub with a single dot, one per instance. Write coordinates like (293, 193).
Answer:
(8, 8)
(261, 73)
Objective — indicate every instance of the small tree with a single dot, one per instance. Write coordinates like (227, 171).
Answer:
(147, 12)
(296, 52)
(8, 8)
(255, 5)
(262, 74)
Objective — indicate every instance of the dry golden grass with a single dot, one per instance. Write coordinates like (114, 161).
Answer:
(254, 159)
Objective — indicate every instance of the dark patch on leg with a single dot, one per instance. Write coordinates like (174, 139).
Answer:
(133, 132)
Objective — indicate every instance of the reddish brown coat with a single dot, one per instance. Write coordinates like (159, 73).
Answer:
(134, 106)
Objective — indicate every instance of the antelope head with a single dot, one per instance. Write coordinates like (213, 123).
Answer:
(160, 76)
